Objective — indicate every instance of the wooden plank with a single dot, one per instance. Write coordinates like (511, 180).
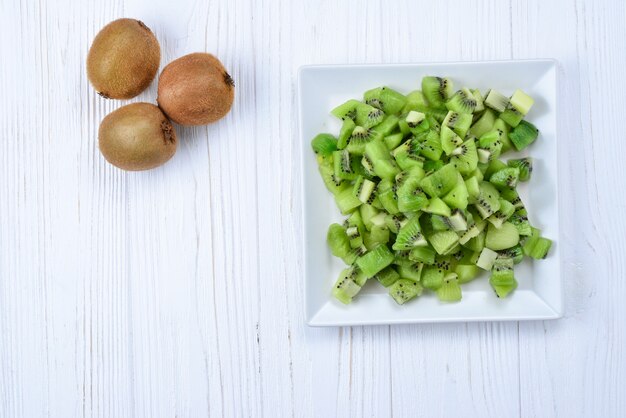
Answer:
(573, 367)
(178, 292)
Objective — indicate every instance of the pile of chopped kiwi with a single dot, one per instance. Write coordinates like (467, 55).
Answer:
(429, 201)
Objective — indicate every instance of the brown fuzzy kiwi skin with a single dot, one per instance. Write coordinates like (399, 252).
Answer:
(195, 90)
(137, 137)
(123, 59)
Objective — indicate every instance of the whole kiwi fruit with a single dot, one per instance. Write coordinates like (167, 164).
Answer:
(137, 137)
(123, 59)
(195, 89)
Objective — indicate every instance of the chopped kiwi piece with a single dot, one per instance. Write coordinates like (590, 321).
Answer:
(412, 272)
(338, 240)
(484, 124)
(355, 253)
(480, 105)
(431, 148)
(524, 165)
(425, 255)
(428, 200)
(457, 198)
(458, 122)
(472, 232)
(363, 189)
(401, 258)
(505, 178)
(439, 223)
(523, 135)
(387, 276)
(477, 243)
(347, 127)
(437, 90)
(463, 101)
(514, 253)
(344, 165)
(408, 156)
(487, 202)
(359, 138)
(432, 277)
(386, 99)
(345, 288)
(411, 196)
(502, 279)
(491, 142)
(492, 167)
(496, 100)
(430, 166)
(395, 222)
(375, 260)
(438, 207)
(377, 154)
(511, 116)
(466, 272)
(376, 236)
(473, 189)
(504, 213)
(486, 259)
(368, 116)
(541, 248)
(386, 192)
(346, 201)
(387, 126)
(500, 125)
(449, 291)
(403, 290)
(443, 241)
(333, 183)
(415, 100)
(518, 106)
(457, 221)
(393, 140)
(521, 223)
(410, 236)
(506, 236)
(535, 246)
(512, 196)
(368, 212)
(440, 182)
(346, 110)
(521, 102)
(450, 141)
(324, 144)
(414, 118)
(464, 158)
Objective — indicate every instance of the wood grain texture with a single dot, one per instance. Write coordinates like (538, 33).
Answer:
(178, 292)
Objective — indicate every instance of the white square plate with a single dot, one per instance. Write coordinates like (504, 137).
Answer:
(539, 294)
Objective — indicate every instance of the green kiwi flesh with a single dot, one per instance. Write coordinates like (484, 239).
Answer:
(429, 202)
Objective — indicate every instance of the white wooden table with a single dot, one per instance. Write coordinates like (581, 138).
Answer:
(178, 291)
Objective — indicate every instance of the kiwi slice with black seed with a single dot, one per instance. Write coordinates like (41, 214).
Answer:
(463, 101)
(437, 90)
